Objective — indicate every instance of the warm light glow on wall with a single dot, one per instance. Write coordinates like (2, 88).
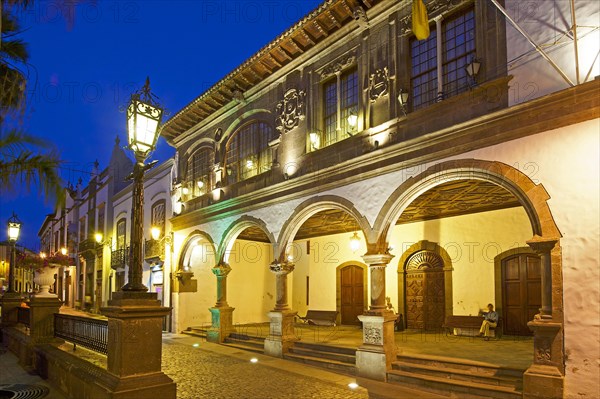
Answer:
(155, 232)
(314, 140)
(354, 242)
(63, 250)
(98, 237)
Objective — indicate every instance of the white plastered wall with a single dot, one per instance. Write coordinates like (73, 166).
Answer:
(546, 21)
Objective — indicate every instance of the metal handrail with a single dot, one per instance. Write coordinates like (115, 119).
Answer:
(85, 331)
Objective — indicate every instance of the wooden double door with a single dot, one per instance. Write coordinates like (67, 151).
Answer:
(521, 292)
(352, 293)
(425, 299)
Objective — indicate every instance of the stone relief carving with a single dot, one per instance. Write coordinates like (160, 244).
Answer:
(337, 66)
(290, 110)
(379, 83)
(424, 260)
(543, 353)
(281, 267)
(373, 336)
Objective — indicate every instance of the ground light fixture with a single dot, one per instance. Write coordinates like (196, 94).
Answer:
(354, 242)
(254, 360)
(144, 116)
(196, 345)
(353, 385)
(14, 229)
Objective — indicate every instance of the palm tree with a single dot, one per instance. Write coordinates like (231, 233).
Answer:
(13, 59)
(25, 160)
(21, 166)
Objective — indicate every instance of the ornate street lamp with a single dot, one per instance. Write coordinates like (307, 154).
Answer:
(14, 228)
(144, 115)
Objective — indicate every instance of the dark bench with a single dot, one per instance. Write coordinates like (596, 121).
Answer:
(320, 317)
(469, 325)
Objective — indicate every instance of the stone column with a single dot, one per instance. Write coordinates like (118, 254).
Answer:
(10, 302)
(544, 379)
(222, 313)
(374, 356)
(41, 319)
(543, 247)
(281, 330)
(135, 346)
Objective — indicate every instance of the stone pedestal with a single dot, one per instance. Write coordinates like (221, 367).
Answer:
(135, 346)
(10, 301)
(375, 355)
(281, 332)
(544, 379)
(222, 324)
(41, 319)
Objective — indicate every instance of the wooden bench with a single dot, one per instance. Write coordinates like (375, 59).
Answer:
(469, 325)
(320, 317)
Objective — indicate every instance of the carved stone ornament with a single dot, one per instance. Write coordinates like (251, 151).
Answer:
(372, 335)
(337, 66)
(379, 83)
(290, 110)
(543, 351)
(281, 267)
(424, 260)
(222, 269)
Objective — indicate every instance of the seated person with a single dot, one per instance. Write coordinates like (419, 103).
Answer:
(490, 321)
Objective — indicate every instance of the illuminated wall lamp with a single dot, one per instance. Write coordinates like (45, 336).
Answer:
(314, 140)
(354, 242)
(472, 69)
(403, 100)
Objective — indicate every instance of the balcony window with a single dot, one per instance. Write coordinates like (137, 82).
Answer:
(340, 99)
(199, 171)
(458, 41)
(248, 152)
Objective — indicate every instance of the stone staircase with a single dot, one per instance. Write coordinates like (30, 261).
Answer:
(334, 358)
(245, 342)
(200, 331)
(450, 376)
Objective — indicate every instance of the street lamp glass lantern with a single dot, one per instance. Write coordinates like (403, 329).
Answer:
(14, 228)
(144, 116)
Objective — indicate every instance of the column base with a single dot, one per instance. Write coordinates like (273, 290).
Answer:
(543, 382)
(155, 385)
(281, 333)
(222, 324)
(10, 301)
(374, 357)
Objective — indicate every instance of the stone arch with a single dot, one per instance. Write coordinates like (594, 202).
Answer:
(338, 286)
(234, 230)
(312, 206)
(425, 245)
(189, 243)
(533, 197)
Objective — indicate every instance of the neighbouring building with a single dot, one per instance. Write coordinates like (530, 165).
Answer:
(466, 164)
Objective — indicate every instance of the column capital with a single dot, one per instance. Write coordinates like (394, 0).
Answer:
(377, 260)
(541, 245)
(281, 268)
(221, 269)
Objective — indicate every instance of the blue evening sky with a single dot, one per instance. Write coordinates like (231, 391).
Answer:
(82, 72)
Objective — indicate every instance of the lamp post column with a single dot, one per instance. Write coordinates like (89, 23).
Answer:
(134, 274)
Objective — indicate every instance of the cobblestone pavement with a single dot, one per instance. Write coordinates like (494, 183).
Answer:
(203, 373)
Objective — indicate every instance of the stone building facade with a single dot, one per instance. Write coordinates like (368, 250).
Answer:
(479, 185)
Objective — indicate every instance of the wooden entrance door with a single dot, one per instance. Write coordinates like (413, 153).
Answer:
(425, 299)
(521, 292)
(352, 294)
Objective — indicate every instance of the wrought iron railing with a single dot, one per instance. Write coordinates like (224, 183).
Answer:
(118, 258)
(84, 331)
(23, 316)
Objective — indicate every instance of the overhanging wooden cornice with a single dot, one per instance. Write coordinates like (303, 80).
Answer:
(305, 34)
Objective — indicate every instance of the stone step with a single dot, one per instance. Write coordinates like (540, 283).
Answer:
(244, 347)
(256, 343)
(195, 333)
(328, 364)
(325, 348)
(461, 364)
(460, 374)
(446, 386)
(340, 357)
